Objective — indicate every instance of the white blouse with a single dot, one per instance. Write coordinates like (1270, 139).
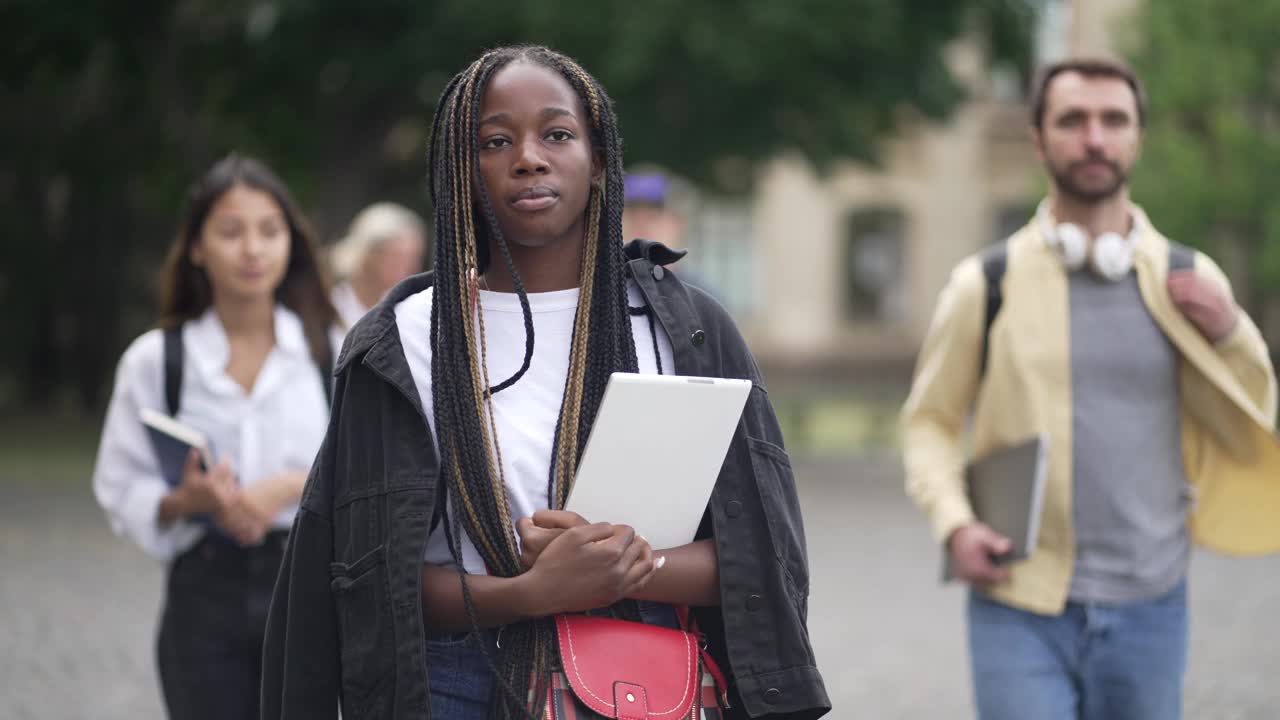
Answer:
(275, 428)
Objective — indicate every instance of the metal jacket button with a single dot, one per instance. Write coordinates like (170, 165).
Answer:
(658, 272)
(773, 696)
(754, 602)
(698, 338)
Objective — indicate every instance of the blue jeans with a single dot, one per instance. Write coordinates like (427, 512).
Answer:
(459, 674)
(1092, 662)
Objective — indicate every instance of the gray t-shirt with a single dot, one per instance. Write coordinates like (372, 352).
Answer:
(1130, 487)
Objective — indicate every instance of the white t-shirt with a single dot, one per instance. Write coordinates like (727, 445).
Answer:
(526, 412)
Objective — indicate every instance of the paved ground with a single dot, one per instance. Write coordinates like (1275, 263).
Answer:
(890, 639)
(79, 608)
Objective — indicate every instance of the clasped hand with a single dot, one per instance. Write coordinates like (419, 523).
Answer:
(573, 566)
(238, 512)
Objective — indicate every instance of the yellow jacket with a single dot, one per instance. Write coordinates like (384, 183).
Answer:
(1228, 399)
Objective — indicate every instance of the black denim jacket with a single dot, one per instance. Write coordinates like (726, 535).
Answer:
(346, 622)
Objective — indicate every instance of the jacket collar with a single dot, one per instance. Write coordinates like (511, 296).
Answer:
(653, 251)
(379, 321)
(376, 339)
(1149, 246)
(668, 299)
(1151, 264)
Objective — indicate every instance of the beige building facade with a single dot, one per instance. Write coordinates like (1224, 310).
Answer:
(839, 273)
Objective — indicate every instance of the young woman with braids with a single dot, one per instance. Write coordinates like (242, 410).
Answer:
(431, 550)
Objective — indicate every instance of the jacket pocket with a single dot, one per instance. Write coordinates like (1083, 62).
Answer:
(775, 480)
(362, 599)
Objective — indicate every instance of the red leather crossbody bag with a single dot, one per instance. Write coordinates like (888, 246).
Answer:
(632, 671)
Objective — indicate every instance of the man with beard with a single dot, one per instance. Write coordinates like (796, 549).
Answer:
(1157, 397)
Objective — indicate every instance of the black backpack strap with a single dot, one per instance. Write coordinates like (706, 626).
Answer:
(173, 368)
(442, 502)
(994, 262)
(1181, 257)
(326, 377)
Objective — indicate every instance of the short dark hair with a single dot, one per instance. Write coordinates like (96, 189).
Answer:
(1089, 67)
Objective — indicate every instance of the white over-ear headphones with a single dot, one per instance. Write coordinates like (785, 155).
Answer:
(1110, 255)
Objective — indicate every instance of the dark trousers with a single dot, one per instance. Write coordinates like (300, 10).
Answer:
(209, 648)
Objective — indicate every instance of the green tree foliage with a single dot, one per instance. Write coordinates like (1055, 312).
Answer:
(1211, 157)
(112, 107)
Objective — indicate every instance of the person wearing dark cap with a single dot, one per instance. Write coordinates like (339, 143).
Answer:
(648, 214)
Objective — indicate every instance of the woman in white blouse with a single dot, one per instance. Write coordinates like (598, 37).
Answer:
(384, 246)
(244, 302)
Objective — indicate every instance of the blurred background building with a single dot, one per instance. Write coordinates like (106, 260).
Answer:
(830, 161)
(839, 274)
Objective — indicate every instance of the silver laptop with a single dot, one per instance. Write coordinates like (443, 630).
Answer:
(655, 451)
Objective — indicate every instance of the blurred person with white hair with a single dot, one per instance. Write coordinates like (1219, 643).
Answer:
(385, 244)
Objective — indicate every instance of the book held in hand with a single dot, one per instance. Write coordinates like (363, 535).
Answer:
(1006, 490)
(172, 441)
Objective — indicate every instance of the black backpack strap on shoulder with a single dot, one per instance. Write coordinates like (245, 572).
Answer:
(326, 377)
(441, 508)
(173, 357)
(994, 262)
(1181, 257)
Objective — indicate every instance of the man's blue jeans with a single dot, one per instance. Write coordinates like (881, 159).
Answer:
(1092, 662)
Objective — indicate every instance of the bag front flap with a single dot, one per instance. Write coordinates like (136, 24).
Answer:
(600, 655)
